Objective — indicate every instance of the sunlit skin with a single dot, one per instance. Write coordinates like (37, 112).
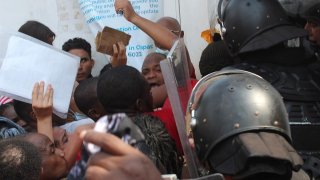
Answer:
(86, 64)
(152, 73)
(172, 25)
(60, 137)
(54, 165)
(151, 69)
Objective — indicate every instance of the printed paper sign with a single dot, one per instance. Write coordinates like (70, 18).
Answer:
(100, 13)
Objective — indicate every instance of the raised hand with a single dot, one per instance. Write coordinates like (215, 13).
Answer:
(119, 57)
(42, 102)
(126, 9)
(42, 108)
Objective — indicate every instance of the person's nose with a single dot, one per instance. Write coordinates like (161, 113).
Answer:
(151, 75)
(307, 27)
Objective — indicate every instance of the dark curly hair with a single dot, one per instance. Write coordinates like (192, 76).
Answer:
(119, 89)
(19, 160)
(85, 95)
(77, 43)
(159, 142)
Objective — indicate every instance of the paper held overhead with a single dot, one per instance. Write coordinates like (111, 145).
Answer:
(26, 60)
(108, 37)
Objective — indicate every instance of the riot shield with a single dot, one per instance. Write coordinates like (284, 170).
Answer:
(216, 176)
(178, 85)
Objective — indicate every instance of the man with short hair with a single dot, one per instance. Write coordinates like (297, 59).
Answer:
(132, 96)
(151, 71)
(82, 48)
(85, 96)
(174, 26)
(312, 16)
(124, 89)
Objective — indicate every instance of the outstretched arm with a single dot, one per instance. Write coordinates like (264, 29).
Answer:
(163, 36)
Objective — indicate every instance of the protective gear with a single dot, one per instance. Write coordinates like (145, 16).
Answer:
(301, 103)
(241, 128)
(295, 8)
(299, 86)
(313, 13)
(250, 154)
(176, 77)
(255, 24)
(227, 103)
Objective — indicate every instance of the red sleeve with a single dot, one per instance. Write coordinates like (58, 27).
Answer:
(166, 116)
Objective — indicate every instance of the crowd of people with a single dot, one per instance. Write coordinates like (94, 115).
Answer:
(254, 114)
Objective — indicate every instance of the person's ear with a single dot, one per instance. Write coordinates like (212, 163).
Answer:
(92, 62)
(181, 34)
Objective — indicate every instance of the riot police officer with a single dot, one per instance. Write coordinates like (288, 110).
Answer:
(260, 34)
(240, 127)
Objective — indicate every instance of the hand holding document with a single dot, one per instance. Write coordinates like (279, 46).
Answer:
(108, 37)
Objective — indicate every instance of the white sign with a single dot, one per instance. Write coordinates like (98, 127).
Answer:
(27, 61)
(100, 13)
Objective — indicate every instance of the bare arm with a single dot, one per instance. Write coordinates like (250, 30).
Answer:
(163, 36)
(42, 107)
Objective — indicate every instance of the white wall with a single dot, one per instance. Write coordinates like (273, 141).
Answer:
(66, 20)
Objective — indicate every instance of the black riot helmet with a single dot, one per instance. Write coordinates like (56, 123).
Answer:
(312, 12)
(227, 103)
(250, 25)
(301, 10)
